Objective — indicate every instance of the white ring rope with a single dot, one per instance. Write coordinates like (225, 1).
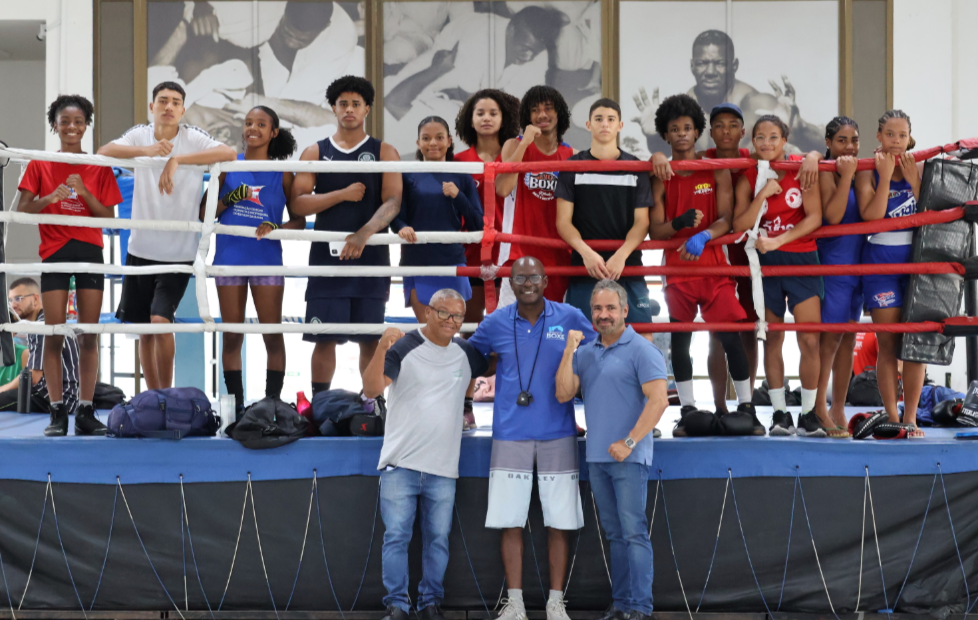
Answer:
(366, 167)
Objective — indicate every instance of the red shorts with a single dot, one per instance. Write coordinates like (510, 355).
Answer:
(738, 256)
(715, 297)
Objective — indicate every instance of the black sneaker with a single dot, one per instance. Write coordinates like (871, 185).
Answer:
(59, 421)
(432, 612)
(656, 433)
(86, 423)
(395, 613)
(749, 409)
(809, 426)
(680, 430)
(613, 613)
(637, 615)
(783, 425)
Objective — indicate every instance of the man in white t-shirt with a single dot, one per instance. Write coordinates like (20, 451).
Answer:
(429, 371)
(169, 193)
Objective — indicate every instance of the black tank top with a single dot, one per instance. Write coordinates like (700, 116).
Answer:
(349, 217)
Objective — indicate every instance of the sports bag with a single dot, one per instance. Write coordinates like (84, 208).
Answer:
(171, 413)
(864, 390)
(269, 423)
(342, 413)
(107, 396)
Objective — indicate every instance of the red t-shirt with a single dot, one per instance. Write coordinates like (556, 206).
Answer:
(43, 177)
(865, 353)
(697, 191)
(735, 251)
(734, 174)
(784, 211)
(535, 212)
(473, 252)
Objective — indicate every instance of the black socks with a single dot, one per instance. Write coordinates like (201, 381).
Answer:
(232, 380)
(273, 383)
(320, 386)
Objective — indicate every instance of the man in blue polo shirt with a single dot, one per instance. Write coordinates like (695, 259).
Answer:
(623, 378)
(528, 426)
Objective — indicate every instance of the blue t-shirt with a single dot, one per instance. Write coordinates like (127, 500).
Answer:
(425, 207)
(267, 203)
(504, 333)
(845, 250)
(611, 379)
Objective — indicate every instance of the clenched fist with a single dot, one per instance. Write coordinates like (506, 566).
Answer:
(574, 338)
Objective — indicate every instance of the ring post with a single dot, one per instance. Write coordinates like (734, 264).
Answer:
(7, 353)
(206, 232)
(971, 310)
(489, 230)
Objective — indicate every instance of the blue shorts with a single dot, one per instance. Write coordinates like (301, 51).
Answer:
(641, 309)
(794, 289)
(344, 310)
(842, 300)
(426, 286)
(885, 291)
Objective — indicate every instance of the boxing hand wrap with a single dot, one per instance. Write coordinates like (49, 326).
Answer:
(696, 243)
(686, 220)
(272, 224)
(235, 195)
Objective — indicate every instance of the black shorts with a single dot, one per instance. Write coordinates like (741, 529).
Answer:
(794, 289)
(344, 310)
(74, 251)
(147, 296)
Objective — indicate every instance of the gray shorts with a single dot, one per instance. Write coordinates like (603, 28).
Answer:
(511, 483)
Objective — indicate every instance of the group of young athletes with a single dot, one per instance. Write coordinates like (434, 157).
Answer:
(497, 127)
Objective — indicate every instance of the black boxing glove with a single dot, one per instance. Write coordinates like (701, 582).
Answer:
(235, 195)
(686, 220)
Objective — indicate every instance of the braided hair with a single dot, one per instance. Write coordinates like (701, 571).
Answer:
(834, 126)
(891, 114)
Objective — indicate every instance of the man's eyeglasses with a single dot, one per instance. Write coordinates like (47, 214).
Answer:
(521, 280)
(445, 315)
(20, 298)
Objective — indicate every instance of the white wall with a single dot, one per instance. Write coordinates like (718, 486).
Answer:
(71, 74)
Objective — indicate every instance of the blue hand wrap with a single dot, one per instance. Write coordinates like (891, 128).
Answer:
(696, 243)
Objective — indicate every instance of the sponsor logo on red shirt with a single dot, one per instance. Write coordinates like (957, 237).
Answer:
(541, 184)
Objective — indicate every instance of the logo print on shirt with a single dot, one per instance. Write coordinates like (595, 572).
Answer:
(793, 197)
(909, 207)
(703, 189)
(555, 332)
(541, 184)
(255, 190)
(885, 299)
(775, 225)
(366, 157)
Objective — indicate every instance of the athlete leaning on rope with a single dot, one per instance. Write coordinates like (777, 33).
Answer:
(792, 213)
(80, 191)
(897, 172)
(843, 295)
(255, 199)
(485, 122)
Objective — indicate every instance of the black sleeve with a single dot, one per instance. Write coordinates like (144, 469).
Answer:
(477, 362)
(397, 353)
(643, 192)
(565, 186)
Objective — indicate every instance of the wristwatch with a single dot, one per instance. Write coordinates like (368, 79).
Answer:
(629, 443)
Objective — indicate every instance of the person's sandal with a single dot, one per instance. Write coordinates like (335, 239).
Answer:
(838, 432)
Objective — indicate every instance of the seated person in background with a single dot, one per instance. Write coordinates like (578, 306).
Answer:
(435, 201)
(605, 205)
(11, 373)
(25, 299)
(865, 352)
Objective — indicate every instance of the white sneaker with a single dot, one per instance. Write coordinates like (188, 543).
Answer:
(556, 610)
(514, 610)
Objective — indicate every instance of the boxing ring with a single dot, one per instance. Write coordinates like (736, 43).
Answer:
(746, 527)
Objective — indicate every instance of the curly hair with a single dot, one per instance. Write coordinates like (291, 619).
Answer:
(450, 154)
(539, 95)
(283, 145)
(678, 106)
(509, 109)
(350, 84)
(70, 101)
(774, 120)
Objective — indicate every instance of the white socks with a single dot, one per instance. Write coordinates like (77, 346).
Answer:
(685, 389)
(556, 595)
(515, 596)
(743, 389)
(777, 399)
(807, 400)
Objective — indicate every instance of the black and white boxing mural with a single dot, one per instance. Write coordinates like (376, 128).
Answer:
(768, 58)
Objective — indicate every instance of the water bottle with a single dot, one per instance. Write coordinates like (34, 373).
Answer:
(24, 392)
(228, 413)
(304, 408)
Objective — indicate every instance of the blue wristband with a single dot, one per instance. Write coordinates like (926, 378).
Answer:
(696, 243)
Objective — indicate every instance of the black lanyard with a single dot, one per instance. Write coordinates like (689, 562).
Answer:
(516, 346)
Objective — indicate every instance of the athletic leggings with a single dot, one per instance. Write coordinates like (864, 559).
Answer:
(682, 365)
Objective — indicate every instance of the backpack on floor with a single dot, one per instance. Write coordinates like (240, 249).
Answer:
(171, 413)
(864, 390)
(107, 396)
(342, 413)
(269, 423)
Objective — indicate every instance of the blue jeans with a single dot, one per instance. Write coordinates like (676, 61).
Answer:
(400, 490)
(620, 493)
